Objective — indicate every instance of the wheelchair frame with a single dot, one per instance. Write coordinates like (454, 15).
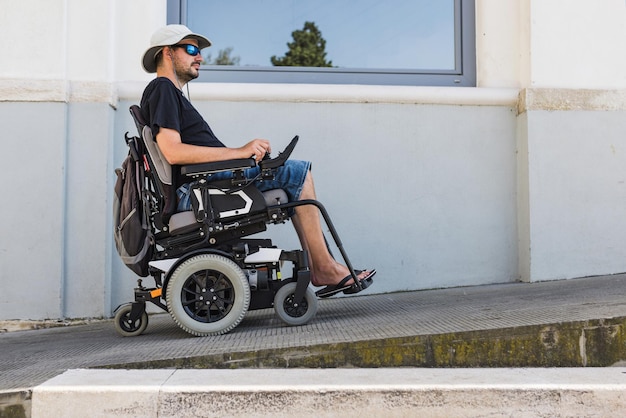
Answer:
(214, 273)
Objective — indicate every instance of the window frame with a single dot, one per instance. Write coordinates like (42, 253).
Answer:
(463, 75)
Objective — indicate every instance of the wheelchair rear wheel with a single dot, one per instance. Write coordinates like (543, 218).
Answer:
(208, 295)
(294, 313)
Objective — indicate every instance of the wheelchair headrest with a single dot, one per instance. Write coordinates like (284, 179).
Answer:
(135, 112)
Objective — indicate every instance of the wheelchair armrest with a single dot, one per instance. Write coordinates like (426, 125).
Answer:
(216, 167)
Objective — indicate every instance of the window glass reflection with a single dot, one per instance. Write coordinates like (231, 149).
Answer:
(362, 34)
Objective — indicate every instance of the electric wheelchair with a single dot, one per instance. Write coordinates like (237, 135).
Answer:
(207, 271)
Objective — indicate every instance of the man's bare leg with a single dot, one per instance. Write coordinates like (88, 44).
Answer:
(325, 270)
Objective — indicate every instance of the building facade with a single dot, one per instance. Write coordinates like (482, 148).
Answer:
(521, 178)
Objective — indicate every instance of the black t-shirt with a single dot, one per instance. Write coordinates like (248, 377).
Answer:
(164, 106)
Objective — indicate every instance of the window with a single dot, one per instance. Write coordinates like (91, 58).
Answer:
(390, 42)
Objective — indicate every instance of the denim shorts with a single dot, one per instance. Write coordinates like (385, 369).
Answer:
(289, 177)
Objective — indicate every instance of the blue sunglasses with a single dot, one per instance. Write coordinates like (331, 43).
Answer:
(189, 48)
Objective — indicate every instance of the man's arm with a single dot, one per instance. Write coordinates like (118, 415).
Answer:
(178, 153)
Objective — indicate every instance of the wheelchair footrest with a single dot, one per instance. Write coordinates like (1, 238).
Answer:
(365, 283)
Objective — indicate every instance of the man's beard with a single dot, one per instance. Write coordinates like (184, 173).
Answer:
(186, 74)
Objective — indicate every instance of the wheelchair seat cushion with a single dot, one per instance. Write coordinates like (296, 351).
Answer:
(182, 222)
(275, 197)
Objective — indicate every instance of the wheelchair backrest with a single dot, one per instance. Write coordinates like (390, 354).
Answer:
(160, 172)
(162, 167)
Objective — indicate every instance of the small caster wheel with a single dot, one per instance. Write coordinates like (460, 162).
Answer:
(291, 313)
(125, 326)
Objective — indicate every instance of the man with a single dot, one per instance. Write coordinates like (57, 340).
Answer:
(185, 138)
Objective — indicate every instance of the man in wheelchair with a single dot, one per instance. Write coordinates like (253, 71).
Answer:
(184, 137)
(205, 269)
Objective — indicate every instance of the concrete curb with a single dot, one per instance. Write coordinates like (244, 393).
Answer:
(333, 392)
(593, 343)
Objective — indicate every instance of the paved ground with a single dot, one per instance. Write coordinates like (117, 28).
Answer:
(28, 358)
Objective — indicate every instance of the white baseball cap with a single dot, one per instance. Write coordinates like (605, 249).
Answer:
(167, 36)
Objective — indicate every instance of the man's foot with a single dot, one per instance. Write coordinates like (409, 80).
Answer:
(347, 285)
(364, 283)
(320, 279)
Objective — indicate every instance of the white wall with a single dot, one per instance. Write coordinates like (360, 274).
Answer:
(432, 186)
(578, 44)
(578, 193)
(32, 241)
(571, 135)
(58, 80)
(499, 36)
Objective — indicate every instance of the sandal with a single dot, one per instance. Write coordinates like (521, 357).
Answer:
(347, 289)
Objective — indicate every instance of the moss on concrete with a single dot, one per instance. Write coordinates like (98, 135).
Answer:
(15, 404)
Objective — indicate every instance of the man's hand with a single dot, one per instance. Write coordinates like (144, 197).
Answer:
(257, 148)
